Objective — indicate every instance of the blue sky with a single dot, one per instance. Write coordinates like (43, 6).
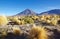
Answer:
(12, 7)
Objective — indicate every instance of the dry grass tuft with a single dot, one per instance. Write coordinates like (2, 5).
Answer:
(17, 31)
(38, 33)
(3, 20)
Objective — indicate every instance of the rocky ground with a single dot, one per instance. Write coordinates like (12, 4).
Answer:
(53, 31)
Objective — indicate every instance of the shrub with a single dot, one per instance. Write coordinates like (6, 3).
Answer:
(38, 33)
(3, 20)
(22, 22)
(17, 30)
(43, 17)
(54, 22)
(48, 21)
(28, 20)
(15, 19)
(34, 17)
(4, 33)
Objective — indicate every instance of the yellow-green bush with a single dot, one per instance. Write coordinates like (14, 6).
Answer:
(54, 22)
(15, 19)
(38, 33)
(3, 20)
(22, 22)
(34, 17)
(28, 20)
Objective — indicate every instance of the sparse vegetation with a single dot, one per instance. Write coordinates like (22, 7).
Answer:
(49, 19)
(37, 32)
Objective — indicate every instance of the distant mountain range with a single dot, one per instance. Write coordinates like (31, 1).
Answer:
(30, 12)
(54, 11)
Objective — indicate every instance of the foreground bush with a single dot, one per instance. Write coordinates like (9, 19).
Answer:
(17, 31)
(3, 20)
(38, 33)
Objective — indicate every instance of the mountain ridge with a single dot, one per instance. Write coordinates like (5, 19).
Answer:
(30, 12)
(54, 11)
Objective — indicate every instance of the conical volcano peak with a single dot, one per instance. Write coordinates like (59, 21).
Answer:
(27, 12)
